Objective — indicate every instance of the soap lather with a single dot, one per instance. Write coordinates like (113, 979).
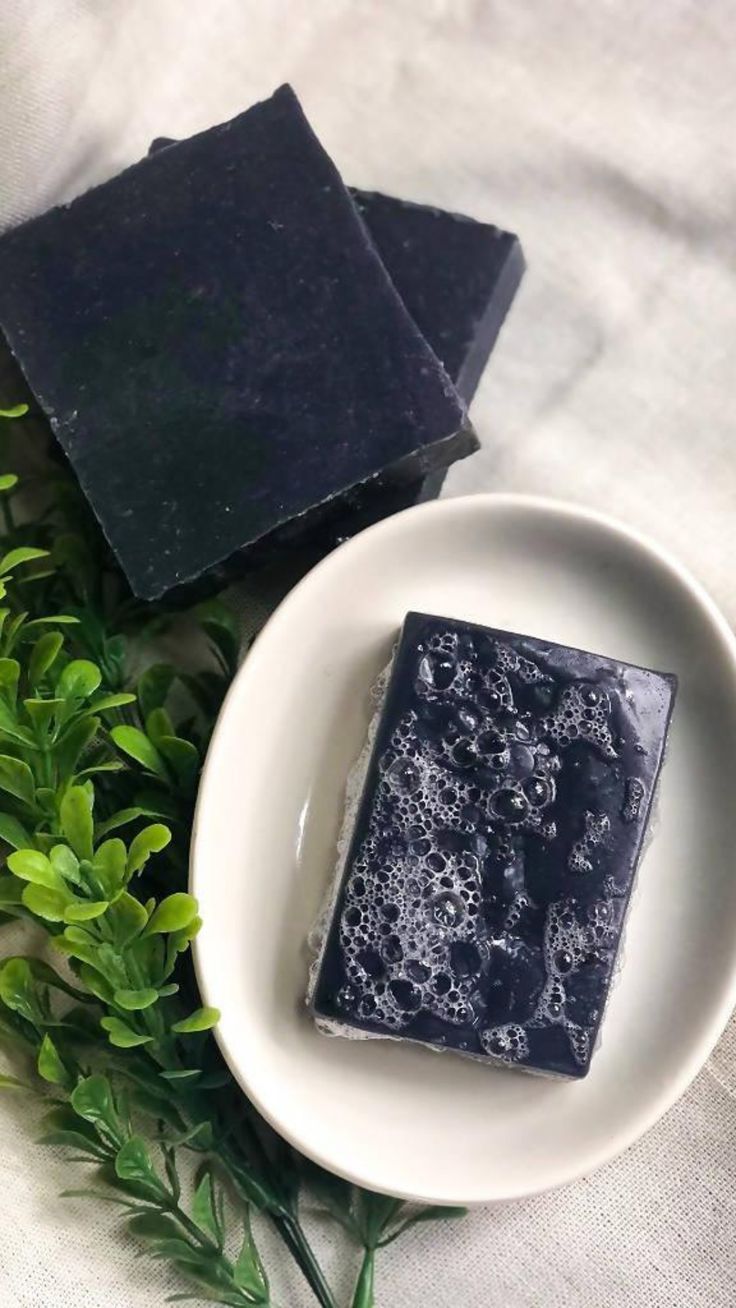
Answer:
(483, 897)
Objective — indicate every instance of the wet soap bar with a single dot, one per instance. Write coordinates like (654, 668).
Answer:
(495, 845)
(209, 401)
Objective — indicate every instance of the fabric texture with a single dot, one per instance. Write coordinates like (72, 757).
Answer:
(603, 135)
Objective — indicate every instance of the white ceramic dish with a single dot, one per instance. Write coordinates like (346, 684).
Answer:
(397, 1117)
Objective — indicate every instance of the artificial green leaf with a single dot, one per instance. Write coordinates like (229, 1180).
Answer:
(95, 982)
(9, 677)
(374, 1213)
(121, 1035)
(137, 745)
(13, 832)
(106, 702)
(24, 554)
(30, 865)
(147, 954)
(11, 727)
(134, 1000)
(133, 1163)
(110, 962)
(92, 1100)
(8, 480)
(17, 411)
(249, 1272)
(49, 904)
(85, 910)
(60, 619)
(154, 1226)
(183, 757)
(17, 779)
(202, 1019)
(65, 862)
(126, 918)
(153, 687)
(119, 819)
(151, 840)
(79, 680)
(17, 989)
(79, 944)
(221, 626)
(158, 724)
(181, 1074)
(72, 743)
(174, 913)
(76, 821)
(43, 656)
(50, 1065)
(42, 712)
(109, 866)
(203, 1209)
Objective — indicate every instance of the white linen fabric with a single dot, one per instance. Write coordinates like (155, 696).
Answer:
(602, 134)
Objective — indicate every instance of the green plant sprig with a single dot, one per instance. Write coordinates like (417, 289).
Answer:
(99, 767)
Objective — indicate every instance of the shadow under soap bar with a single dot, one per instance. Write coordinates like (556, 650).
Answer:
(495, 846)
(211, 403)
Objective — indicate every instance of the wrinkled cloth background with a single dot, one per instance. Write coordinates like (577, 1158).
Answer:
(604, 135)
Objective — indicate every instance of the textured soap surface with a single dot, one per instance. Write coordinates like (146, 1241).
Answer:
(495, 846)
(207, 401)
(456, 276)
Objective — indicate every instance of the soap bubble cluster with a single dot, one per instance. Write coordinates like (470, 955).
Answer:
(465, 777)
(597, 827)
(633, 799)
(583, 713)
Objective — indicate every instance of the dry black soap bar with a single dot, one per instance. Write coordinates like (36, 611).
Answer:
(456, 276)
(496, 842)
(207, 401)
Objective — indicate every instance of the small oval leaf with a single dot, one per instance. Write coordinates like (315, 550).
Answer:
(174, 913)
(135, 1000)
(202, 1019)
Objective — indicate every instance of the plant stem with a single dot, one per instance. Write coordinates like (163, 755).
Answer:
(292, 1233)
(363, 1297)
(290, 1229)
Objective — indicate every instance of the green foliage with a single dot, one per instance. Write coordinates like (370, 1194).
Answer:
(98, 777)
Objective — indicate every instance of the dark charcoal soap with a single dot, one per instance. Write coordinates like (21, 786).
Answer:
(208, 401)
(456, 276)
(495, 846)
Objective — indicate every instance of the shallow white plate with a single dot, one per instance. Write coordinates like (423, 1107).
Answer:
(396, 1117)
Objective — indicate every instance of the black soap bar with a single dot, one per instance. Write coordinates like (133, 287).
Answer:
(207, 401)
(456, 276)
(495, 846)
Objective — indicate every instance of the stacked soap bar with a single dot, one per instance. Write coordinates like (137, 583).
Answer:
(502, 818)
(457, 277)
(210, 402)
